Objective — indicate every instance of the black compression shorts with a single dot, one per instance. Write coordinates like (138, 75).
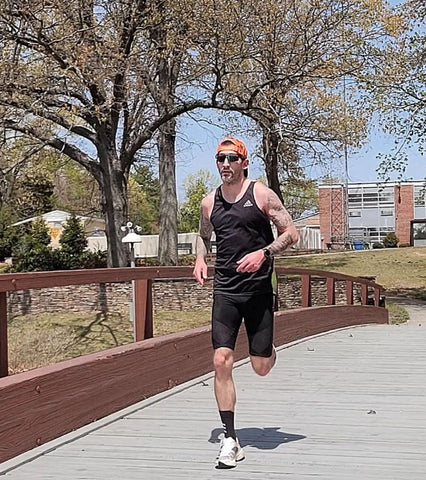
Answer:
(257, 312)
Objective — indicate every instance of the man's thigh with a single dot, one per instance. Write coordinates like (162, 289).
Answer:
(226, 321)
(259, 323)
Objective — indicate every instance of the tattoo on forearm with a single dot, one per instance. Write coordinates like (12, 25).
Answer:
(202, 247)
(281, 243)
(282, 220)
(203, 241)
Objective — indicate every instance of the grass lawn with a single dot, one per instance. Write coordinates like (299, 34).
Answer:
(402, 271)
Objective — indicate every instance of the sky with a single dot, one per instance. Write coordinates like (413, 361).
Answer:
(197, 142)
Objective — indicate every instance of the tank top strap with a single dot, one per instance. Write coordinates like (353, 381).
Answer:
(248, 192)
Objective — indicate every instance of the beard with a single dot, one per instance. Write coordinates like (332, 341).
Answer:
(229, 176)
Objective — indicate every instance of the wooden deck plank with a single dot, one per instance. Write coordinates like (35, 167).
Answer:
(347, 405)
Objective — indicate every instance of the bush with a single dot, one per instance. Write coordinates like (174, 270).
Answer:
(39, 259)
(8, 235)
(391, 240)
(73, 243)
(33, 252)
(96, 259)
(378, 245)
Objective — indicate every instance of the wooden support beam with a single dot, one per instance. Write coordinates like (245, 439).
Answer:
(331, 291)
(143, 309)
(376, 297)
(306, 291)
(349, 292)
(4, 362)
(364, 293)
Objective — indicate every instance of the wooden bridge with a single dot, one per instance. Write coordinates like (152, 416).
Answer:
(341, 405)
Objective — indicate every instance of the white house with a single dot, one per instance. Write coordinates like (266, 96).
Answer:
(56, 219)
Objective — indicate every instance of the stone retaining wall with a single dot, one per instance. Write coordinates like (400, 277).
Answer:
(179, 294)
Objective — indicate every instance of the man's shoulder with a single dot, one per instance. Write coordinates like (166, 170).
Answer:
(208, 199)
(262, 193)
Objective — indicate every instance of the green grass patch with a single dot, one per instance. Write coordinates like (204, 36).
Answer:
(402, 271)
(39, 340)
(397, 314)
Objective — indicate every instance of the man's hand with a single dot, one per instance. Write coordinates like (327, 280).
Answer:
(200, 271)
(251, 262)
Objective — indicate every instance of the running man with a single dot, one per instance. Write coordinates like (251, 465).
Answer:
(240, 212)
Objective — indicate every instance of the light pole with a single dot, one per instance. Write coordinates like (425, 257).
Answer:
(131, 238)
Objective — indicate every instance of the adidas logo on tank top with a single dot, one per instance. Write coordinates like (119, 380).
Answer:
(248, 204)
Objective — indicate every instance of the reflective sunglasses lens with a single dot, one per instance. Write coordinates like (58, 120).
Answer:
(230, 158)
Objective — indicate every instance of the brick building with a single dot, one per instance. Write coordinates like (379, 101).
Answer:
(369, 211)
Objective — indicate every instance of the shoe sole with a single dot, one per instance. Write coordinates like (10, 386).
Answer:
(224, 466)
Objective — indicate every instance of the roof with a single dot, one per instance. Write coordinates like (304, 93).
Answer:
(374, 184)
(55, 216)
(307, 219)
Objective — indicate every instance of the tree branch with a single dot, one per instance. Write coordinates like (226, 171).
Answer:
(60, 145)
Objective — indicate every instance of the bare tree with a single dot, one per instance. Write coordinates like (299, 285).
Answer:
(98, 79)
(284, 67)
(82, 77)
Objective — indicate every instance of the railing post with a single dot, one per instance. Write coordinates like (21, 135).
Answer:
(4, 362)
(331, 292)
(376, 297)
(364, 293)
(306, 291)
(143, 309)
(349, 292)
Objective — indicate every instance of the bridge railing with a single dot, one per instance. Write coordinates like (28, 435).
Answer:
(143, 278)
(42, 404)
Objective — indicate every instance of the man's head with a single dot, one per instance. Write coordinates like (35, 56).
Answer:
(232, 145)
(231, 158)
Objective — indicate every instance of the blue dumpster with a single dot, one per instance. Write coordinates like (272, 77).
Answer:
(358, 245)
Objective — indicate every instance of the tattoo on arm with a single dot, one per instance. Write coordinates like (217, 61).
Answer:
(287, 234)
(281, 243)
(203, 240)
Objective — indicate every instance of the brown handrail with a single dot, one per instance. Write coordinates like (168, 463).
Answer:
(331, 278)
(143, 277)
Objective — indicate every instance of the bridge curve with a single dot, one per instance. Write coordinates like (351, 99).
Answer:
(42, 404)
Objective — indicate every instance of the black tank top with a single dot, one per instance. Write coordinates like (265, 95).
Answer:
(240, 227)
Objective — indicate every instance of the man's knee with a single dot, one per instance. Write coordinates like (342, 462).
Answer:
(223, 359)
(261, 365)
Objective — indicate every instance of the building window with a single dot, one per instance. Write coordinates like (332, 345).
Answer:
(371, 197)
(387, 195)
(419, 196)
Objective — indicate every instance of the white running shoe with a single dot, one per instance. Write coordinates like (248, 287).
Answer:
(274, 351)
(230, 453)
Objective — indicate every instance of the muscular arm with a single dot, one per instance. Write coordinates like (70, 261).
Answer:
(287, 233)
(202, 244)
(203, 239)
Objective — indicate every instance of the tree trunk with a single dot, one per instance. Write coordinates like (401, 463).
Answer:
(270, 142)
(167, 251)
(113, 185)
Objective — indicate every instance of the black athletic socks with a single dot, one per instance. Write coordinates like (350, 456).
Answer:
(227, 418)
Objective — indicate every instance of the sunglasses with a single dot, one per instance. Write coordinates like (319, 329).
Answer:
(230, 158)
